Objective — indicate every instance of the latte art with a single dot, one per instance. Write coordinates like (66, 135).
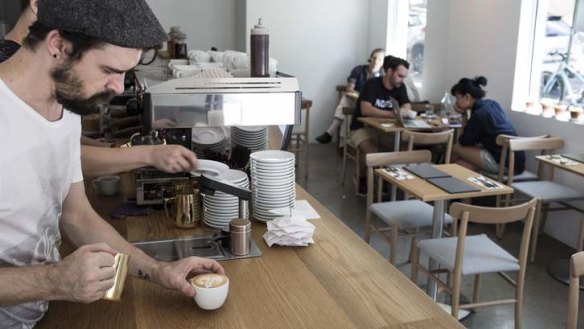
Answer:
(209, 280)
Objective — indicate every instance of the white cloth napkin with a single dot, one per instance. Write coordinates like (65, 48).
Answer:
(289, 231)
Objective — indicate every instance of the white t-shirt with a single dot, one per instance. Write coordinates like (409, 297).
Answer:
(39, 160)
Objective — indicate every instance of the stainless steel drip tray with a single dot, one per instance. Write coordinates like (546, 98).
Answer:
(200, 246)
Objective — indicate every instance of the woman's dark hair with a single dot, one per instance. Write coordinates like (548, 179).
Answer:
(392, 62)
(24, 4)
(470, 86)
(81, 43)
(373, 52)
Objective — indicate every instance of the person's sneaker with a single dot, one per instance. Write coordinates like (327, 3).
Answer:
(324, 138)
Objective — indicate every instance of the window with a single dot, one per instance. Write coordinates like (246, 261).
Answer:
(415, 40)
(558, 58)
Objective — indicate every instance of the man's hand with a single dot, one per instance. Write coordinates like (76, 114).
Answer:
(85, 275)
(175, 275)
(172, 158)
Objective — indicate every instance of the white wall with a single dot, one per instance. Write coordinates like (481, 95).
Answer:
(318, 42)
(466, 38)
(207, 23)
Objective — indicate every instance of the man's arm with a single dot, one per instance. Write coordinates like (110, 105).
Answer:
(92, 142)
(82, 226)
(99, 161)
(350, 87)
(83, 276)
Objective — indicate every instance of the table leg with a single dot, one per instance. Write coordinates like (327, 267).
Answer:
(396, 146)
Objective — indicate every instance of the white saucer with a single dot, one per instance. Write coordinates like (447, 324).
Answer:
(208, 135)
(213, 168)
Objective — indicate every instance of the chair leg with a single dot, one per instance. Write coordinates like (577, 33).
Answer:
(476, 288)
(392, 244)
(501, 227)
(344, 168)
(535, 230)
(367, 236)
(518, 306)
(581, 235)
(412, 247)
(306, 161)
(357, 171)
(456, 295)
(415, 262)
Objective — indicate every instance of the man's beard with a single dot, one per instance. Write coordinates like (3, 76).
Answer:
(69, 91)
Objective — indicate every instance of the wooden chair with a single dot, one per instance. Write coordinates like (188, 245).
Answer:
(300, 135)
(502, 177)
(544, 191)
(395, 215)
(350, 150)
(426, 138)
(576, 270)
(477, 254)
(503, 141)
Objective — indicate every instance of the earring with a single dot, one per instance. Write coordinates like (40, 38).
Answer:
(54, 55)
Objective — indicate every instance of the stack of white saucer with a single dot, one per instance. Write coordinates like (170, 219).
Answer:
(255, 138)
(272, 182)
(211, 138)
(221, 208)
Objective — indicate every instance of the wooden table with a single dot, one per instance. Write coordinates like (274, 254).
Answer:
(338, 282)
(427, 192)
(560, 269)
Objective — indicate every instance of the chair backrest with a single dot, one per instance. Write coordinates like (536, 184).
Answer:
(427, 138)
(484, 215)
(375, 160)
(543, 145)
(503, 141)
(576, 270)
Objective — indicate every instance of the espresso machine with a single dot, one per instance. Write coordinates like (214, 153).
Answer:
(175, 106)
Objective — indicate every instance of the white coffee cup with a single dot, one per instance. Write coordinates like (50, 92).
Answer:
(107, 185)
(212, 289)
(412, 114)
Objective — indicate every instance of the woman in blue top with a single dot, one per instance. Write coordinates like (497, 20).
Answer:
(476, 148)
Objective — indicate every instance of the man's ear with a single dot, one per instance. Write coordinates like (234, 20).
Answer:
(34, 6)
(55, 44)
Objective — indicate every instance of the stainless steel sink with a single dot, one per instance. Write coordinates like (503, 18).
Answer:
(200, 246)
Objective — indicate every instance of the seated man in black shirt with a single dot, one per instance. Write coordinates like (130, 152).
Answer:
(477, 148)
(378, 98)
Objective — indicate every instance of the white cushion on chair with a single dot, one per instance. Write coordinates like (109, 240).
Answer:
(408, 213)
(481, 255)
(548, 191)
(525, 176)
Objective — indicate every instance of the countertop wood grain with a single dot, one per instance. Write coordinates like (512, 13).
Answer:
(338, 282)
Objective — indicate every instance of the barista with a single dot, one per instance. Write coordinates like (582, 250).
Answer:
(74, 58)
(95, 160)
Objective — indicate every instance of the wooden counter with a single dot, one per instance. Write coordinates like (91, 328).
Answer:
(338, 282)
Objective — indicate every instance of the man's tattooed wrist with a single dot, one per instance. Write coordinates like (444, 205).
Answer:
(143, 276)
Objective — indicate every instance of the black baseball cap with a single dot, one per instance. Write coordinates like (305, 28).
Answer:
(124, 23)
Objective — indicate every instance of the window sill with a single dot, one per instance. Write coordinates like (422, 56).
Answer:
(561, 117)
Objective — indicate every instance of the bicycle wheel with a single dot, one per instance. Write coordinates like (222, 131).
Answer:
(552, 86)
